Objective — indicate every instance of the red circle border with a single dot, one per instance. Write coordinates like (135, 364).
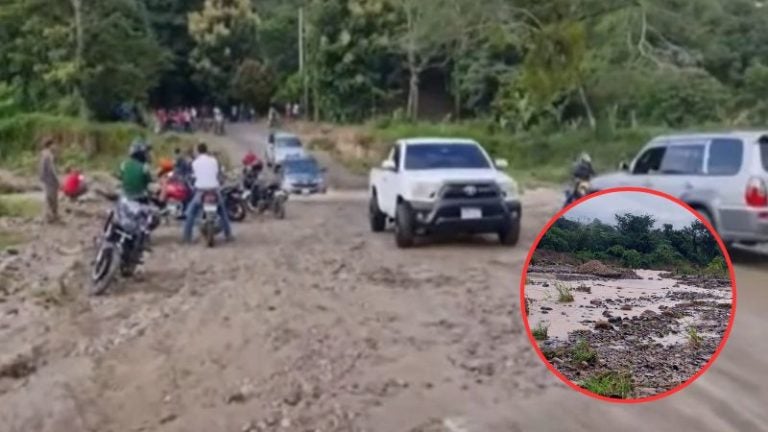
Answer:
(690, 380)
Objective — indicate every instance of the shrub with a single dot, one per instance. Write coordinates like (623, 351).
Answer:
(540, 331)
(610, 384)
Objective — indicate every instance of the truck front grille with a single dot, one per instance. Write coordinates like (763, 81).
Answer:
(471, 191)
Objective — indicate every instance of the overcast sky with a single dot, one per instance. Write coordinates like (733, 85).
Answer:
(606, 206)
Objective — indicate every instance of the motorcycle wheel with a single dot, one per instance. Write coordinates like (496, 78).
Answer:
(236, 211)
(209, 233)
(104, 268)
(279, 209)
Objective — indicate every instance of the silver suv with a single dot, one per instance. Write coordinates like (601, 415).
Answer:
(722, 175)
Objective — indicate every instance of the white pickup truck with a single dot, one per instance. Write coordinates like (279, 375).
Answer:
(429, 185)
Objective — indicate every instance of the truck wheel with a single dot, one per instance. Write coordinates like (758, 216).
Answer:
(404, 229)
(377, 218)
(510, 235)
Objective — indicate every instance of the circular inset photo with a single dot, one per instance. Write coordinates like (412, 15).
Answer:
(628, 295)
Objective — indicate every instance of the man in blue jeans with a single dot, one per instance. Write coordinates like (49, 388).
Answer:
(205, 169)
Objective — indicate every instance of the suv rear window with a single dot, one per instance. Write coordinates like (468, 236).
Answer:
(683, 159)
(725, 156)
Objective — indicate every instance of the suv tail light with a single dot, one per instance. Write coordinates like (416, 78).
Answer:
(757, 193)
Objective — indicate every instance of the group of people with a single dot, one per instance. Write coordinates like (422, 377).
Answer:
(200, 170)
(191, 119)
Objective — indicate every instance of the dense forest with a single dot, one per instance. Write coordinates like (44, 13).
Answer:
(522, 64)
(635, 242)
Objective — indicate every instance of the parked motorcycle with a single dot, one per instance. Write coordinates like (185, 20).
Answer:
(272, 198)
(210, 223)
(234, 202)
(122, 243)
(177, 193)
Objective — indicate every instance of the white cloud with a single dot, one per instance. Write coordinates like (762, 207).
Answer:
(605, 207)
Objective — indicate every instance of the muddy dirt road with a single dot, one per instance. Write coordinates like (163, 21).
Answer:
(315, 324)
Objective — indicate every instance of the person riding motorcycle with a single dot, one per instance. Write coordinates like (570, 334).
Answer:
(135, 174)
(582, 169)
(135, 177)
(582, 173)
(206, 172)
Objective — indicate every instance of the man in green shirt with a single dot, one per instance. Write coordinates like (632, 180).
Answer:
(135, 173)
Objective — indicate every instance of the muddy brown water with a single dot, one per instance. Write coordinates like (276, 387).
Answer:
(647, 293)
(314, 323)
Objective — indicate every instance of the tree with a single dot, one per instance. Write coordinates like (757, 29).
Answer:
(225, 33)
(427, 30)
(253, 84)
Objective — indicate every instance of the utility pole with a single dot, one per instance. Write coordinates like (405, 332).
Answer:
(302, 67)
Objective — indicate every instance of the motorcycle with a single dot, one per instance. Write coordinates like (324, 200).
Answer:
(122, 243)
(579, 190)
(178, 193)
(234, 202)
(274, 199)
(210, 223)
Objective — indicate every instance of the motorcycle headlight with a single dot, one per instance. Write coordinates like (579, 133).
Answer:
(424, 191)
(509, 189)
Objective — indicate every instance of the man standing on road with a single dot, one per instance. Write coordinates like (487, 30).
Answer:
(206, 172)
(50, 181)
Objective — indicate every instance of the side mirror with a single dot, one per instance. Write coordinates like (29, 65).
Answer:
(623, 166)
(501, 163)
(388, 165)
(323, 170)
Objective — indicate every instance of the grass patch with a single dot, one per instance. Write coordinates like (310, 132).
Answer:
(564, 294)
(9, 239)
(83, 144)
(610, 384)
(694, 338)
(540, 332)
(583, 353)
(19, 206)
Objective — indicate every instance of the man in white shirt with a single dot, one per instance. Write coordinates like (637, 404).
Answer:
(205, 169)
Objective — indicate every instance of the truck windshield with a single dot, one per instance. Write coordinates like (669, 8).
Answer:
(288, 142)
(445, 156)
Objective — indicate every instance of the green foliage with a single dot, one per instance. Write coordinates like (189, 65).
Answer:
(694, 338)
(564, 294)
(635, 242)
(610, 384)
(83, 144)
(540, 332)
(225, 33)
(717, 267)
(583, 353)
(253, 84)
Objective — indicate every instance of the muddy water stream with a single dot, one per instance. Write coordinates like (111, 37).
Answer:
(598, 300)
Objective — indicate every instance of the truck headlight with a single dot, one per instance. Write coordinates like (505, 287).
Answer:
(425, 191)
(509, 189)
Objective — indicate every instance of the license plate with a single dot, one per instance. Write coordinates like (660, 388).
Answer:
(471, 213)
(305, 191)
(209, 208)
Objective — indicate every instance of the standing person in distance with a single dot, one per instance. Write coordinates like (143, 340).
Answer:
(206, 171)
(50, 180)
